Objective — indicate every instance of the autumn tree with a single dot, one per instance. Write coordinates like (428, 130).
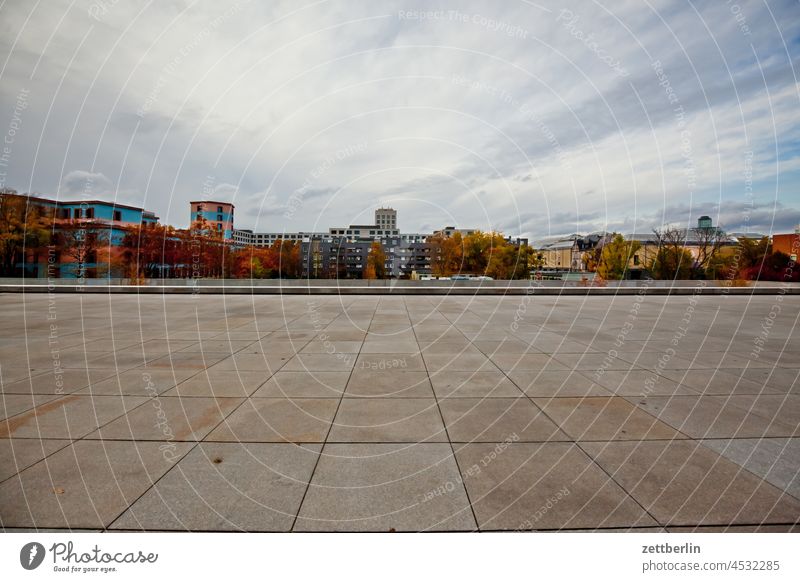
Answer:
(591, 258)
(477, 251)
(80, 242)
(290, 264)
(23, 227)
(721, 266)
(508, 261)
(616, 256)
(376, 261)
(150, 250)
(255, 263)
(750, 255)
(447, 254)
(756, 261)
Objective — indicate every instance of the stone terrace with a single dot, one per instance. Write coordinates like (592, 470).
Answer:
(381, 413)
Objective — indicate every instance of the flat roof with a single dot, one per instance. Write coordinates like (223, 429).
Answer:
(211, 202)
(62, 202)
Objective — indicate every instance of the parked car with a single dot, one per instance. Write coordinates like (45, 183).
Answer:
(460, 278)
(484, 278)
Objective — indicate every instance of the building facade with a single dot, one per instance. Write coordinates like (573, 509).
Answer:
(218, 215)
(788, 244)
(90, 233)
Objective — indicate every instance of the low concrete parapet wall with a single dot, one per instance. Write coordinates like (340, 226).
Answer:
(317, 287)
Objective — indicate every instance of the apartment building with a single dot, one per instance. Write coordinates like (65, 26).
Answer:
(97, 220)
(218, 215)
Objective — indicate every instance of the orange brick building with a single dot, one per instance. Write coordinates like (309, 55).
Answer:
(788, 244)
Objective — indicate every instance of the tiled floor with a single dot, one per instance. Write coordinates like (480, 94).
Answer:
(367, 413)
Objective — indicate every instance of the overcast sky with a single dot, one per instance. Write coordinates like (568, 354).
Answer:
(525, 117)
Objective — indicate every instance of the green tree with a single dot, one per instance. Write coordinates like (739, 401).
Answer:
(672, 263)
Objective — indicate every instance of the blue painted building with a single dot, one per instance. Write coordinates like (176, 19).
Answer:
(217, 215)
(109, 220)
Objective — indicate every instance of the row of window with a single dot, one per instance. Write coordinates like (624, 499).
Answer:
(219, 217)
(88, 213)
(219, 209)
(358, 232)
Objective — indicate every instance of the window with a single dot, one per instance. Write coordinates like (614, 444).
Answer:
(199, 208)
(77, 213)
(635, 259)
(219, 209)
(219, 217)
(118, 215)
(219, 226)
(90, 213)
(372, 232)
(63, 213)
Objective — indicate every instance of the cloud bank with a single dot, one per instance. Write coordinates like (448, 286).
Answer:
(535, 118)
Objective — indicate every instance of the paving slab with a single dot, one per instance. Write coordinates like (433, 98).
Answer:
(58, 381)
(138, 382)
(11, 371)
(459, 347)
(639, 383)
(329, 346)
(713, 417)
(320, 363)
(718, 382)
(685, 483)
(480, 384)
(399, 384)
(188, 360)
(169, 418)
(776, 460)
(247, 362)
(497, 420)
(270, 420)
(604, 418)
(304, 385)
(526, 486)
(386, 487)
(220, 383)
(68, 417)
(390, 361)
(12, 404)
(18, 454)
(562, 384)
(227, 346)
(527, 362)
(227, 487)
(458, 362)
(85, 485)
(388, 420)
